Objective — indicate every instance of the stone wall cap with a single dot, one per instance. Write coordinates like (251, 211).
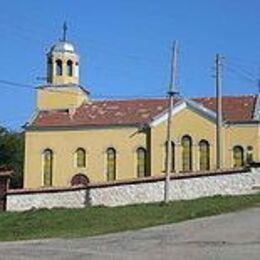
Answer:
(173, 176)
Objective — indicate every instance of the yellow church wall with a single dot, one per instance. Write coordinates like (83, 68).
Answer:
(60, 98)
(126, 140)
(95, 141)
(243, 135)
(186, 122)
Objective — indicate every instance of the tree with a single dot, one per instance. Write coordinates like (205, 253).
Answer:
(12, 155)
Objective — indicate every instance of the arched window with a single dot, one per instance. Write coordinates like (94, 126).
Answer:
(81, 158)
(69, 68)
(47, 167)
(111, 164)
(249, 154)
(49, 67)
(186, 143)
(76, 70)
(204, 155)
(172, 157)
(59, 67)
(141, 162)
(238, 156)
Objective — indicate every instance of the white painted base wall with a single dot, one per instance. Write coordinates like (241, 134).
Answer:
(180, 189)
(64, 199)
(124, 194)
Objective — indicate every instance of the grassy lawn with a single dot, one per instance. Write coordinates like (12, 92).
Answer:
(66, 223)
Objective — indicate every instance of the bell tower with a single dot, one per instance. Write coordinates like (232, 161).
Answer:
(63, 90)
(63, 62)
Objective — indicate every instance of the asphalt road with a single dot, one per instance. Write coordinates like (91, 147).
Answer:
(231, 236)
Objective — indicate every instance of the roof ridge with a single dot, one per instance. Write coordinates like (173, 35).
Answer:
(233, 96)
(163, 97)
(128, 99)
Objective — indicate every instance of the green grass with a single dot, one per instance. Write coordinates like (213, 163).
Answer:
(66, 223)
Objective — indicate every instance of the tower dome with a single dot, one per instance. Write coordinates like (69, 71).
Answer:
(63, 62)
(63, 46)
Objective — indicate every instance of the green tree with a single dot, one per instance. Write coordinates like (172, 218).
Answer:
(12, 154)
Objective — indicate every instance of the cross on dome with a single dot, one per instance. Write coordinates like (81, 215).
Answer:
(65, 29)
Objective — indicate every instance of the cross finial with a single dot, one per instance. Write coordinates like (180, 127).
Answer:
(65, 29)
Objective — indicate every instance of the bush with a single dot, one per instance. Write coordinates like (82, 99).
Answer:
(12, 155)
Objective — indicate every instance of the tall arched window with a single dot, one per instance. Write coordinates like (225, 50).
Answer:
(76, 70)
(47, 167)
(81, 158)
(59, 67)
(204, 155)
(111, 164)
(172, 157)
(238, 156)
(186, 143)
(141, 162)
(249, 154)
(69, 68)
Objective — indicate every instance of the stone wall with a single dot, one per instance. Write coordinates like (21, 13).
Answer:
(181, 188)
(146, 190)
(21, 200)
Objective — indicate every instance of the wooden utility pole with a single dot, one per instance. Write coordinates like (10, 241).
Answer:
(219, 155)
(171, 93)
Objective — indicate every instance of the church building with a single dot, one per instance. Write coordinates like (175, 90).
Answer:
(73, 139)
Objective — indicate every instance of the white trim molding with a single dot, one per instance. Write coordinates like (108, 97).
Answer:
(185, 103)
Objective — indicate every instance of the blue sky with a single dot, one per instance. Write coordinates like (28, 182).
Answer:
(125, 47)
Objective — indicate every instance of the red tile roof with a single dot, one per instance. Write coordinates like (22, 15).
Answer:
(138, 111)
(235, 108)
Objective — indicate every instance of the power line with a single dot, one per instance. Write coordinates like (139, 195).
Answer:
(7, 83)
(15, 84)
(241, 69)
(239, 75)
(30, 88)
(244, 62)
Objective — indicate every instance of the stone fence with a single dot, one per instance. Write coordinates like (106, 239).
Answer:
(150, 189)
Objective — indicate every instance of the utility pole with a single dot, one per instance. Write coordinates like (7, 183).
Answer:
(219, 110)
(171, 93)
